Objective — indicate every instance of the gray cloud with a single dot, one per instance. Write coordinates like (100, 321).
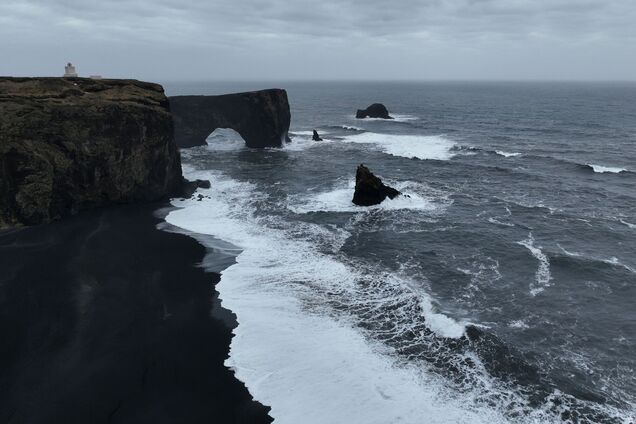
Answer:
(280, 39)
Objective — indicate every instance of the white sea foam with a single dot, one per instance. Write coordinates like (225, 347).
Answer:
(518, 324)
(397, 117)
(401, 117)
(340, 200)
(302, 140)
(507, 154)
(441, 324)
(614, 261)
(542, 276)
(351, 128)
(606, 169)
(494, 220)
(307, 132)
(225, 139)
(629, 224)
(408, 146)
(293, 354)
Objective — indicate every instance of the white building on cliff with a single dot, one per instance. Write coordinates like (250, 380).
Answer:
(69, 70)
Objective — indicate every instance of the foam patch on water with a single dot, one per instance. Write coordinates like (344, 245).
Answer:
(340, 200)
(293, 353)
(441, 324)
(606, 169)
(542, 276)
(224, 140)
(628, 224)
(494, 220)
(507, 154)
(401, 117)
(614, 261)
(408, 146)
(308, 133)
(520, 324)
(301, 140)
(397, 117)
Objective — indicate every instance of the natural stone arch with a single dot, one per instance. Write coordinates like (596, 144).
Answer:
(262, 118)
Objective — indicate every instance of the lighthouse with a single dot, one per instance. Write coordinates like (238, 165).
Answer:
(69, 71)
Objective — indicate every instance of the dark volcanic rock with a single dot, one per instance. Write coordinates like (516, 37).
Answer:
(262, 118)
(189, 187)
(376, 110)
(370, 190)
(316, 136)
(68, 144)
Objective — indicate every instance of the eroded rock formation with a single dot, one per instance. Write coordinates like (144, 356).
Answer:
(262, 118)
(370, 190)
(68, 144)
(376, 110)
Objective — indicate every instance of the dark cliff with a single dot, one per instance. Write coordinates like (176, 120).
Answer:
(262, 118)
(73, 144)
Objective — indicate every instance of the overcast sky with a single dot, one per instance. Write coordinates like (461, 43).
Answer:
(167, 40)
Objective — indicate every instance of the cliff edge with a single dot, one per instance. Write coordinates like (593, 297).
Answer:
(68, 144)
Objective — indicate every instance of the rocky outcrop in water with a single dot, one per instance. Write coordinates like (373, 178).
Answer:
(262, 118)
(369, 189)
(316, 136)
(376, 110)
(68, 144)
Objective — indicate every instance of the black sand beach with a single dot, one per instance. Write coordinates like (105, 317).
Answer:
(104, 318)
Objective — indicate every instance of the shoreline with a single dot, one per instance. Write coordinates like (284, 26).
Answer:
(107, 318)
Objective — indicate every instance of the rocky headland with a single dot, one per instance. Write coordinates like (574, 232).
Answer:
(262, 118)
(104, 317)
(68, 144)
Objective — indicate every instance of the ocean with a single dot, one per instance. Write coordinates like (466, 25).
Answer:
(503, 289)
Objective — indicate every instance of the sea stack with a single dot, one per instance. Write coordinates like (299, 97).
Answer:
(316, 136)
(262, 118)
(370, 190)
(376, 110)
(73, 144)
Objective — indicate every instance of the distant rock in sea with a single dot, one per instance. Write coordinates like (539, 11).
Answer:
(73, 144)
(370, 190)
(262, 118)
(316, 136)
(376, 110)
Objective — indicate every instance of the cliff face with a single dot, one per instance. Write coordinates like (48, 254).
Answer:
(72, 144)
(262, 118)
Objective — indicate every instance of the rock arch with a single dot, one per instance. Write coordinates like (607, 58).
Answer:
(261, 118)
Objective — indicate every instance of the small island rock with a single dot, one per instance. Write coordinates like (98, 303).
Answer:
(376, 110)
(370, 190)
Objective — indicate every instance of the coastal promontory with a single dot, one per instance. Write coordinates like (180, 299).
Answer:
(68, 144)
(262, 118)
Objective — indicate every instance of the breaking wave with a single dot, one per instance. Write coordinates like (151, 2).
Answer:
(409, 146)
(542, 276)
(354, 342)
